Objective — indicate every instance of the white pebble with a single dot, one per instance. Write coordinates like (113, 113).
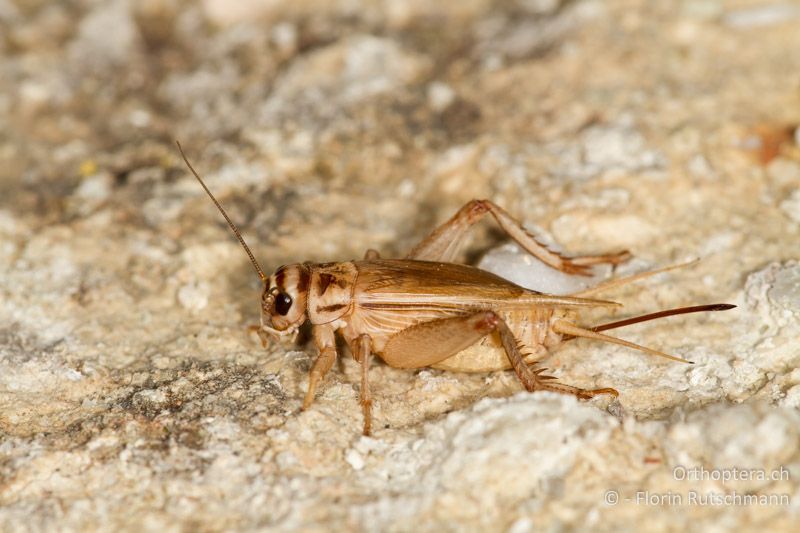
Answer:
(518, 266)
(354, 459)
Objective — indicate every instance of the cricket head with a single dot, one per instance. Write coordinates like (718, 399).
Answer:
(283, 301)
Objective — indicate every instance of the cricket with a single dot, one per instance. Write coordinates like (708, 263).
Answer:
(425, 309)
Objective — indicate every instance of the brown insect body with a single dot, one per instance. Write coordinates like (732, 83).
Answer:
(427, 311)
(381, 298)
(393, 295)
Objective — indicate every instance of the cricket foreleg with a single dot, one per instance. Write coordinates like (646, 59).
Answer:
(535, 380)
(364, 355)
(446, 241)
(326, 343)
(262, 335)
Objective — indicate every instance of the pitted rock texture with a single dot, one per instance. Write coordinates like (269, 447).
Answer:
(132, 396)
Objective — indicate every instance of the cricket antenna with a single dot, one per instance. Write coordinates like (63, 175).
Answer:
(227, 218)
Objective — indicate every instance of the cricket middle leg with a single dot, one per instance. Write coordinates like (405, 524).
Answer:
(444, 243)
(364, 355)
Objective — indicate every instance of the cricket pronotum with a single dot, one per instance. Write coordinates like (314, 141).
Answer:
(423, 309)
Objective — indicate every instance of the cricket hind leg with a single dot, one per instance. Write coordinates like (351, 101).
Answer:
(536, 380)
(444, 243)
(428, 343)
(431, 342)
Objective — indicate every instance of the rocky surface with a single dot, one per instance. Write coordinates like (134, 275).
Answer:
(132, 395)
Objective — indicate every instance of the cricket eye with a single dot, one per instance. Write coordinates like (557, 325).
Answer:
(283, 302)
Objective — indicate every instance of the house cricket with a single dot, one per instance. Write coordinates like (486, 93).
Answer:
(423, 310)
